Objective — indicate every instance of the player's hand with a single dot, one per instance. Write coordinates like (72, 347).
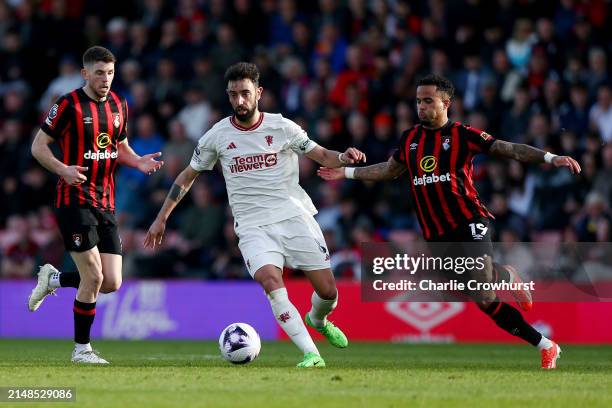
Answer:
(331, 174)
(155, 234)
(72, 175)
(566, 161)
(353, 155)
(148, 165)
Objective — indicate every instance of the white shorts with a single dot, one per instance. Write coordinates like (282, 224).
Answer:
(296, 242)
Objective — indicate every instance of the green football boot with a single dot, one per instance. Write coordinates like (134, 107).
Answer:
(333, 334)
(311, 360)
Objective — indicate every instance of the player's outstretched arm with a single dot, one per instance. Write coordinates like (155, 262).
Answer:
(333, 159)
(146, 164)
(181, 186)
(381, 171)
(530, 154)
(42, 153)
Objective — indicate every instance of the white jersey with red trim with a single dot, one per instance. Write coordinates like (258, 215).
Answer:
(260, 167)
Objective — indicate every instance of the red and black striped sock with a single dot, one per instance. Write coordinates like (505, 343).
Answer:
(511, 320)
(84, 314)
(69, 279)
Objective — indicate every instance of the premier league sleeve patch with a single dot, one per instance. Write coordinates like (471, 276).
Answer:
(52, 115)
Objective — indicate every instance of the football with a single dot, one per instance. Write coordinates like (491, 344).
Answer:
(239, 343)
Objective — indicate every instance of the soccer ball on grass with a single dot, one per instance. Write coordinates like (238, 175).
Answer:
(239, 343)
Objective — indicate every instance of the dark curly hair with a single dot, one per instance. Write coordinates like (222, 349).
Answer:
(242, 70)
(442, 84)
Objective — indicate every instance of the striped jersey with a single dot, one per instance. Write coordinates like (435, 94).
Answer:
(439, 163)
(88, 133)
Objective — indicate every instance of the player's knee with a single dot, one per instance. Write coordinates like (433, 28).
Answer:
(328, 292)
(109, 286)
(269, 279)
(92, 280)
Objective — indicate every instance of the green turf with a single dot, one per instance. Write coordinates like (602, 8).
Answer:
(183, 374)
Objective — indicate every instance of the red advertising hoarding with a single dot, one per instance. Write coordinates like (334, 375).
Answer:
(451, 321)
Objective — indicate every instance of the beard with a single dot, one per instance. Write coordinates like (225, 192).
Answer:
(425, 121)
(245, 117)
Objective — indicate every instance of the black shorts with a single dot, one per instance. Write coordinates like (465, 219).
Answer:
(471, 240)
(86, 227)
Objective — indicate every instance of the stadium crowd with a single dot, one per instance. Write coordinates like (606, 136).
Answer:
(526, 71)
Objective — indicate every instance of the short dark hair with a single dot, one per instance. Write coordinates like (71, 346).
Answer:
(97, 53)
(242, 70)
(442, 84)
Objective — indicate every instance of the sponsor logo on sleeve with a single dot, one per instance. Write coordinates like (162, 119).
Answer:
(52, 115)
(305, 145)
(486, 136)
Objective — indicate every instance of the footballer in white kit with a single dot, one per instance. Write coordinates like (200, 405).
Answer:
(273, 216)
(272, 213)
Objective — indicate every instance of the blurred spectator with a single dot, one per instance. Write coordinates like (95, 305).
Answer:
(228, 50)
(601, 113)
(196, 114)
(178, 144)
(519, 46)
(20, 256)
(117, 34)
(331, 46)
(598, 70)
(69, 79)
(594, 224)
(574, 114)
(166, 86)
(294, 76)
(381, 146)
(471, 78)
(603, 184)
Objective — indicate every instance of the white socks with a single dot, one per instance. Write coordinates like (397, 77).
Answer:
(321, 308)
(54, 281)
(290, 320)
(78, 347)
(544, 344)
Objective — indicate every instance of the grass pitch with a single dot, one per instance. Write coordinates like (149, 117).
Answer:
(192, 374)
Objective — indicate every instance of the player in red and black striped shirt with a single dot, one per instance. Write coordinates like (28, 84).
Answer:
(437, 154)
(90, 125)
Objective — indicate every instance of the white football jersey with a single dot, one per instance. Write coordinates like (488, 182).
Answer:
(260, 167)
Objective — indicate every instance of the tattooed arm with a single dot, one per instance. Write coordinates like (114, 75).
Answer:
(181, 186)
(381, 171)
(529, 154)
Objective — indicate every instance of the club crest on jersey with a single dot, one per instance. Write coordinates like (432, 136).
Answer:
(269, 140)
(77, 239)
(446, 143)
(116, 120)
(413, 146)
